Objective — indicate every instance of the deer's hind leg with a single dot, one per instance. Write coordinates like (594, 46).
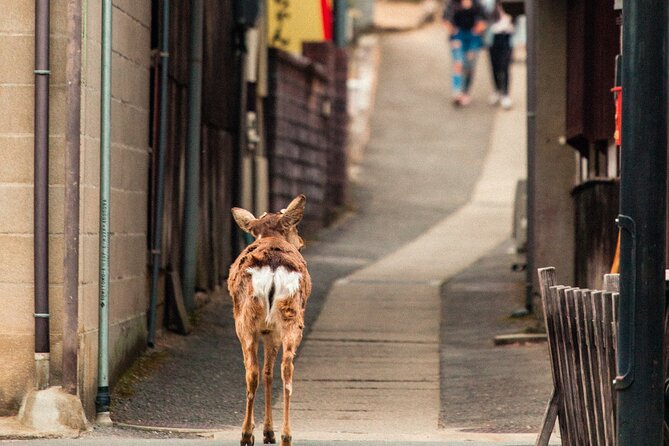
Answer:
(249, 343)
(290, 338)
(271, 343)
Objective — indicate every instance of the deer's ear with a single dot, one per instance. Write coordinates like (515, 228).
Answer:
(243, 218)
(294, 212)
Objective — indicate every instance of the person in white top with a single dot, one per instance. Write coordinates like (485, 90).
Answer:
(501, 28)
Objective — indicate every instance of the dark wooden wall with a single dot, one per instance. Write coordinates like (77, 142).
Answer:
(592, 44)
(218, 139)
(297, 134)
(335, 62)
(306, 128)
(596, 204)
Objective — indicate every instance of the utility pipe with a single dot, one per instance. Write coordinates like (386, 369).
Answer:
(41, 203)
(340, 17)
(640, 377)
(160, 175)
(72, 168)
(102, 400)
(531, 11)
(192, 192)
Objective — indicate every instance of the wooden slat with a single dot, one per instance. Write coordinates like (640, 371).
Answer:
(593, 365)
(609, 313)
(183, 325)
(614, 301)
(549, 419)
(547, 279)
(573, 388)
(575, 306)
(605, 378)
(612, 283)
(557, 294)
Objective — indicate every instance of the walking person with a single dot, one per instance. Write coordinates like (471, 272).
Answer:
(501, 29)
(465, 22)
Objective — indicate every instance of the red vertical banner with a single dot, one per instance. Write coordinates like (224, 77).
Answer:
(326, 11)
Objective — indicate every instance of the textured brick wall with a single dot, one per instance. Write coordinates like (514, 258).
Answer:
(298, 134)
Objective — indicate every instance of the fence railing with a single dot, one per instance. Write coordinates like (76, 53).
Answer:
(582, 337)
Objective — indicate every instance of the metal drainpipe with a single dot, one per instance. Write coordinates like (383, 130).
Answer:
(102, 400)
(160, 175)
(340, 17)
(640, 377)
(41, 202)
(191, 205)
(531, 13)
(72, 168)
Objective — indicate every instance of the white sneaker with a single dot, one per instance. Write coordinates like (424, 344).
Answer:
(506, 102)
(465, 100)
(493, 99)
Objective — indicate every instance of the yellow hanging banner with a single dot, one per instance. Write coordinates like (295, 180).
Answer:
(292, 22)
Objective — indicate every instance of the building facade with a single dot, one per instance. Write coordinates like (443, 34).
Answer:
(240, 161)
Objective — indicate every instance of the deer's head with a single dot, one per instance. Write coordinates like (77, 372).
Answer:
(276, 224)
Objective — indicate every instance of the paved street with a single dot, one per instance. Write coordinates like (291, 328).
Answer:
(175, 442)
(409, 290)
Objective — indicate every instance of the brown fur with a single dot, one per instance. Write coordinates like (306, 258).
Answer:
(277, 244)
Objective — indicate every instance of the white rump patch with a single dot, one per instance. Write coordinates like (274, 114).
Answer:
(285, 282)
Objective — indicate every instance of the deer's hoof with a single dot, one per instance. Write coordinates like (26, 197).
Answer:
(268, 437)
(247, 440)
(286, 440)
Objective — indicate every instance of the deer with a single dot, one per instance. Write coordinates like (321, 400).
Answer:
(269, 285)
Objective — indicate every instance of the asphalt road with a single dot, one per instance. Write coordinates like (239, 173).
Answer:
(201, 442)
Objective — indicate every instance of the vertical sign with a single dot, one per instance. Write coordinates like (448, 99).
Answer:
(291, 22)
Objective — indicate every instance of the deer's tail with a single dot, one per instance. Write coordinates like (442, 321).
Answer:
(271, 285)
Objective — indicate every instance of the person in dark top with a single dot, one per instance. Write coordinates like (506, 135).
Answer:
(465, 22)
(501, 29)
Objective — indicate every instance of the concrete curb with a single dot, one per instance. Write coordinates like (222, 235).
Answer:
(180, 430)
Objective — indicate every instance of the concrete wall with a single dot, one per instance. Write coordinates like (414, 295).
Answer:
(131, 59)
(16, 192)
(552, 222)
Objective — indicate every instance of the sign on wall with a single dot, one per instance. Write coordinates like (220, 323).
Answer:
(291, 22)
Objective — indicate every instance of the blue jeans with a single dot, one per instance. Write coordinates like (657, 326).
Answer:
(464, 48)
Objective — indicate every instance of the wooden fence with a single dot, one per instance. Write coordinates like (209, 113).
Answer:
(582, 337)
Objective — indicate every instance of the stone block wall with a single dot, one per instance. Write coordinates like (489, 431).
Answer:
(17, 33)
(130, 128)
(128, 301)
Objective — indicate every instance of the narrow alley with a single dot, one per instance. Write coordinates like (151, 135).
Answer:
(438, 219)
(411, 285)
(399, 344)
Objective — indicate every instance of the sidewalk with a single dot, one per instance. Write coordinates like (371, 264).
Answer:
(393, 15)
